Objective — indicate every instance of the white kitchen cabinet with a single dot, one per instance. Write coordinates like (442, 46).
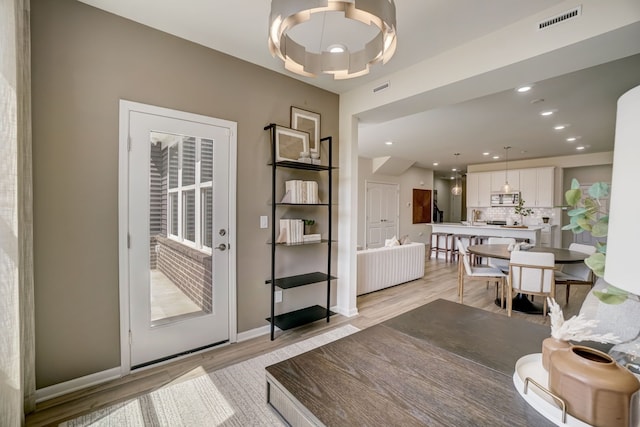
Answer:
(536, 187)
(479, 189)
(498, 178)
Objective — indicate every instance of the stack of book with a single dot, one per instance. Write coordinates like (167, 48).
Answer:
(303, 192)
(292, 231)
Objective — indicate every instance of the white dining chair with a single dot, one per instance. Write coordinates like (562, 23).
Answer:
(531, 273)
(576, 273)
(468, 272)
(501, 264)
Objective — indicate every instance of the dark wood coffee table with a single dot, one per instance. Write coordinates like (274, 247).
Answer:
(442, 364)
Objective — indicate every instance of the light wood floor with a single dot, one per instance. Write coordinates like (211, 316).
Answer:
(440, 282)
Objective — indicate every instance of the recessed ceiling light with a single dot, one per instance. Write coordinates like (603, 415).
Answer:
(452, 177)
(525, 88)
(580, 147)
(547, 113)
(496, 157)
(336, 48)
(435, 164)
(560, 127)
(486, 153)
(389, 143)
(571, 139)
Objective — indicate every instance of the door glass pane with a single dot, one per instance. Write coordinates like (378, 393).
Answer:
(188, 161)
(181, 279)
(173, 165)
(173, 203)
(189, 215)
(207, 217)
(206, 165)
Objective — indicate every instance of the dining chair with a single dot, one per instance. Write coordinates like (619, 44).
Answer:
(502, 264)
(531, 273)
(477, 273)
(576, 273)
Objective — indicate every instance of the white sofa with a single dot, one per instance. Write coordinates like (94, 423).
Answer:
(381, 268)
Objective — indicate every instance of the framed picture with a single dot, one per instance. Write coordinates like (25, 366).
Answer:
(307, 121)
(290, 143)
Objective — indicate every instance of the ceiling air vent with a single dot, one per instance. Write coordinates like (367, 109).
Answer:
(380, 88)
(569, 14)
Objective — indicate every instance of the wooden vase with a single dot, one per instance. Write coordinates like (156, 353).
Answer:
(595, 389)
(549, 345)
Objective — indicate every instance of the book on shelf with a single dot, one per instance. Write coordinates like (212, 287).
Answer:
(291, 231)
(311, 238)
(301, 192)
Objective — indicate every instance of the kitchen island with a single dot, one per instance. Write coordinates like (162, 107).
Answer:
(532, 232)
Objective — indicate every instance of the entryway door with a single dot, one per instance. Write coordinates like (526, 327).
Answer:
(382, 213)
(177, 233)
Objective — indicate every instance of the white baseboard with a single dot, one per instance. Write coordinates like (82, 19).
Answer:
(346, 313)
(56, 390)
(254, 333)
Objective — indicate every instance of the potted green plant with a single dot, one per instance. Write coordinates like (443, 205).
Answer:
(522, 211)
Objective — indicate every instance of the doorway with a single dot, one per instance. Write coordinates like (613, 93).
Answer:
(382, 201)
(177, 233)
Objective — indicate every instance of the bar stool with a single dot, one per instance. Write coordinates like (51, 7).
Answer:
(470, 240)
(448, 243)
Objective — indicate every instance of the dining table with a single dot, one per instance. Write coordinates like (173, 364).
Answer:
(520, 302)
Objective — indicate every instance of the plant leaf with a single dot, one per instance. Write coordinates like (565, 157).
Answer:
(596, 262)
(584, 223)
(599, 190)
(575, 185)
(573, 196)
(608, 298)
(577, 211)
(600, 229)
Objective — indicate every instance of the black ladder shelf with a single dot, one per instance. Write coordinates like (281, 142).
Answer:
(313, 313)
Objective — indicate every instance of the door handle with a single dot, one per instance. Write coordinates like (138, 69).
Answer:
(221, 247)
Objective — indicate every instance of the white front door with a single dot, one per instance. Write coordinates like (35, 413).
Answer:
(382, 213)
(179, 263)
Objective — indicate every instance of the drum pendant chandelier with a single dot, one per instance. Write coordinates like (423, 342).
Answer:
(287, 14)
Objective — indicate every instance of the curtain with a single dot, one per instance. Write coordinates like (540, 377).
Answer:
(17, 347)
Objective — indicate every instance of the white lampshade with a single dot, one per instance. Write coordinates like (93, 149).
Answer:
(624, 213)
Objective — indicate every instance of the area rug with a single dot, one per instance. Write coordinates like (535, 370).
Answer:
(233, 396)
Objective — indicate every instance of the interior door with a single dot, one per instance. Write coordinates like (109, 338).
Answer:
(179, 234)
(382, 213)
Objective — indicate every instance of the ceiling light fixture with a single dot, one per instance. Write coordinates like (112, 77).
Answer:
(560, 127)
(506, 188)
(525, 88)
(302, 59)
(571, 139)
(580, 148)
(546, 113)
(496, 157)
(389, 143)
(435, 163)
(456, 190)
(486, 153)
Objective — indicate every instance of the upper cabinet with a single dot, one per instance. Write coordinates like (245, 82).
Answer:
(536, 187)
(498, 180)
(478, 189)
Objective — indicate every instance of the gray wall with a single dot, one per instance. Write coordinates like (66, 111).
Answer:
(84, 61)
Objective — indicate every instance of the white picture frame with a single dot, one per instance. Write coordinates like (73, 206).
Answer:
(307, 121)
(290, 143)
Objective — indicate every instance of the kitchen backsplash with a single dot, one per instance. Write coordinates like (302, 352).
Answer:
(502, 213)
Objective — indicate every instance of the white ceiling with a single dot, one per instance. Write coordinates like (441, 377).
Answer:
(585, 99)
